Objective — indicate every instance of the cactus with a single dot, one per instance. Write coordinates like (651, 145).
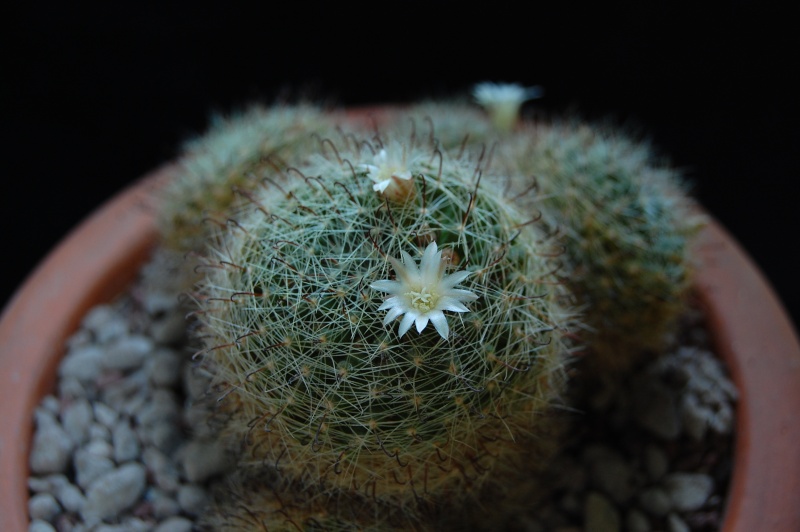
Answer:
(628, 224)
(320, 385)
(346, 410)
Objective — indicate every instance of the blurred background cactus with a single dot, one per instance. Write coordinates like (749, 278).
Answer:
(627, 222)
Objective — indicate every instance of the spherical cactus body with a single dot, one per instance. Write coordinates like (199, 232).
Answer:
(300, 310)
(627, 223)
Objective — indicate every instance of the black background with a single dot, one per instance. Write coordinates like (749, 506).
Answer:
(95, 96)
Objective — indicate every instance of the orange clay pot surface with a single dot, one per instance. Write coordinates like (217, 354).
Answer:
(102, 256)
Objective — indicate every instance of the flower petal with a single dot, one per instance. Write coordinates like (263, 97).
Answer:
(394, 301)
(451, 304)
(392, 314)
(380, 187)
(421, 322)
(410, 267)
(405, 323)
(392, 287)
(461, 295)
(440, 323)
(454, 278)
(431, 265)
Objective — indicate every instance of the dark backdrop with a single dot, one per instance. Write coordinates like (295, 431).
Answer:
(93, 97)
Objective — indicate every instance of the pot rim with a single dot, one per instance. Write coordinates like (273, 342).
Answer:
(102, 255)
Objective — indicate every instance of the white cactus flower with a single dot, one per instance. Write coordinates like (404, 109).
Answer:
(503, 100)
(390, 170)
(423, 293)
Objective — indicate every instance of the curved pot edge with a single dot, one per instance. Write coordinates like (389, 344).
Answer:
(770, 358)
(93, 263)
(754, 335)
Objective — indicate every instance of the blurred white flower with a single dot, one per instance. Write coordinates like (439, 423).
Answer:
(423, 293)
(503, 100)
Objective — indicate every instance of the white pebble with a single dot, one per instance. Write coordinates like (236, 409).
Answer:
(126, 443)
(76, 420)
(174, 524)
(192, 499)
(90, 465)
(70, 497)
(163, 470)
(43, 506)
(105, 323)
(105, 414)
(37, 525)
(114, 492)
(83, 364)
(127, 352)
(676, 524)
(99, 432)
(688, 491)
(51, 447)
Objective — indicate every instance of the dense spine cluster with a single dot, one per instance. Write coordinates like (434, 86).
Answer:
(329, 393)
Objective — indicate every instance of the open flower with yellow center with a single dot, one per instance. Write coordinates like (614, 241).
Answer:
(423, 292)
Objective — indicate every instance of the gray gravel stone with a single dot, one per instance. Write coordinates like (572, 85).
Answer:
(601, 515)
(83, 364)
(611, 473)
(655, 501)
(164, 368)
(51, 448)
(127, 352)
(174, 524)
(43, 506)
(164, 471)
(688, 491)
(656, 463)
(104, 414)
(70, 496)
(99, 432)
(114, 492)
(656, 408)
(38, 525)
(162, 503)
(192, 499)
(105, 323)
(676, 524)
(51, 404)
(636, 521)
(90, 465)
(76, 419)
(125, 441)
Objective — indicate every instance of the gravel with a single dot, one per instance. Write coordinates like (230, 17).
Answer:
(112, 449)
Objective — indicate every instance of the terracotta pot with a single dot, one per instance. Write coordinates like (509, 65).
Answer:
(101, 257)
